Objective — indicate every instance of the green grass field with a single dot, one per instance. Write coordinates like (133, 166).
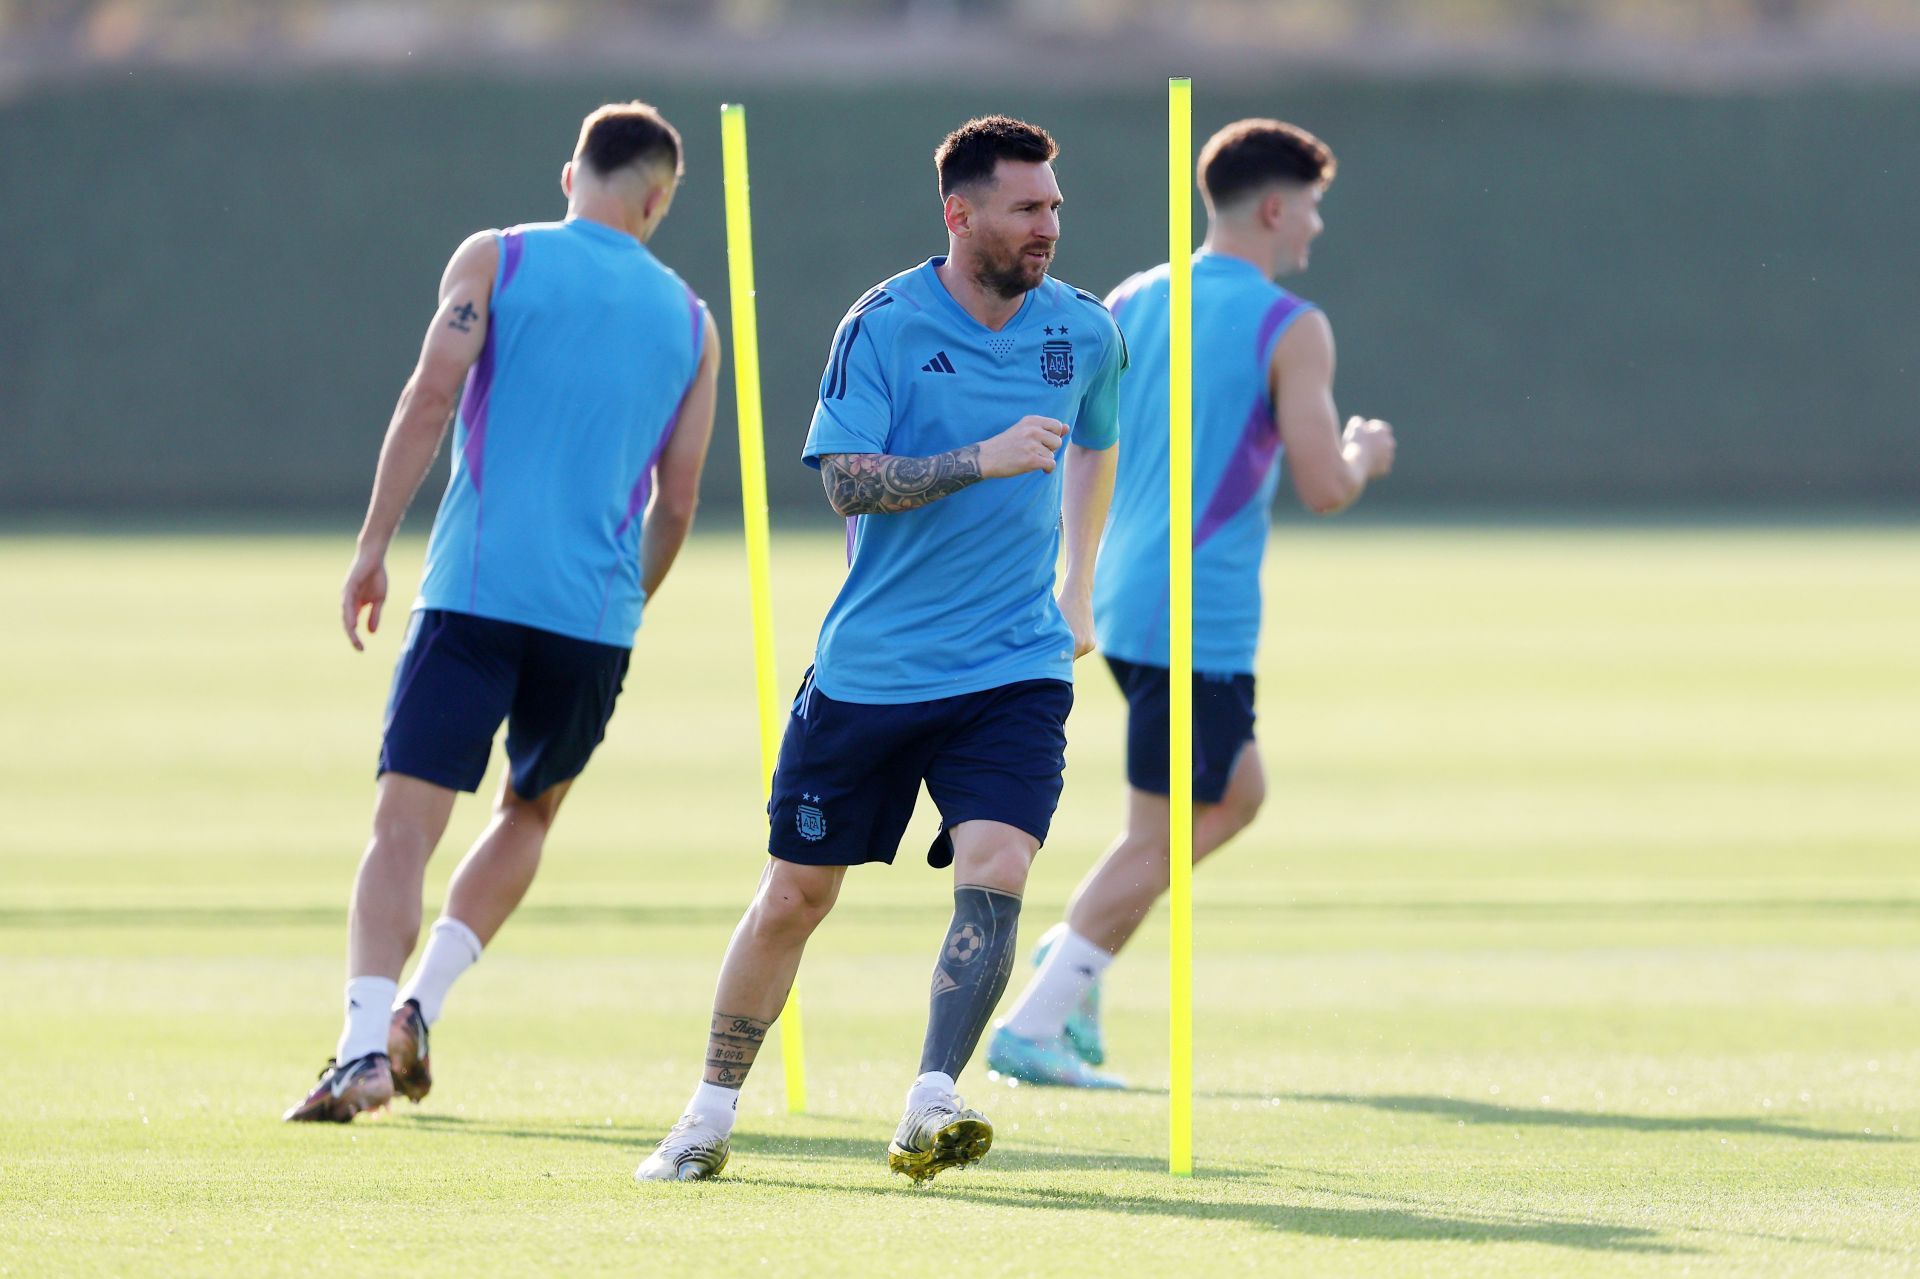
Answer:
(1581, 936)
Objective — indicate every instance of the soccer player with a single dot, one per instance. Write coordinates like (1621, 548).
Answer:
(588, 371)
(966, 403)
(1263, 383)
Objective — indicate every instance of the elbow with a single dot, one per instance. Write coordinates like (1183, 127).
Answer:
(676, 508)
(845, 502)
(429, 403)
(1328, 499)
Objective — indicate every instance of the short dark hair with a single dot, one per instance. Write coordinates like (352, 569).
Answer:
(971, 152)
(622, 134)
(1250, 154)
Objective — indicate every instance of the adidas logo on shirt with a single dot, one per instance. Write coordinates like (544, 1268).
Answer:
(939, 364)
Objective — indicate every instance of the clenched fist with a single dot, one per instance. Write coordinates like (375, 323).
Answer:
(1374, 439)
(1027, 445)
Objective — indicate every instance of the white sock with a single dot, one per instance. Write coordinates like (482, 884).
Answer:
(1071, 967)
(935, 1085)
(369, 1008)
(716, 1107)
(452, 948)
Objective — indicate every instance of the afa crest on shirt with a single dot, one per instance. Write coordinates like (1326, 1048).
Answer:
(1056, 361)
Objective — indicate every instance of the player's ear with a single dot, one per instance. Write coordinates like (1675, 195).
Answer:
(1272, 206)
(566, 179)
(959, 215)
(656, 202)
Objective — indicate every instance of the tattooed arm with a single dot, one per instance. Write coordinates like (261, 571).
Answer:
(453, 343)
(883, 484)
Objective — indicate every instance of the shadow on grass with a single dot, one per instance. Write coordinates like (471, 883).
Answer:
(1186, 1199)
(870, 1148)
(1009, 1158)
(1296, 1219)
(1481, 1112)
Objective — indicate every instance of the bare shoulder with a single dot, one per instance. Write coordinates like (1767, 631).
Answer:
(481, 246)
(477, 256)
(1307, 344)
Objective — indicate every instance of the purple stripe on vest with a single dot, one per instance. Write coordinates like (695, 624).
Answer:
(643, 487)
(1277, 314)
(851, 526)
(479, 390)
(473, 410)
(1246, 472)
(511, 247)
(1259, 444)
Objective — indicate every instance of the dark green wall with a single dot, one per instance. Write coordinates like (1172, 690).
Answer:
(1576, 296)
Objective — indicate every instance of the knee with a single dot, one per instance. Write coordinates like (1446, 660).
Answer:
(534, 815)
(1243, 803)
(1004, 866)
(790, 905)
(1240, 812)
(1149, 847)
(397, 838)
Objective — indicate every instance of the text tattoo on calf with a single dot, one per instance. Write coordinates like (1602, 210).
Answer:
(732, 1044)
(880, 484)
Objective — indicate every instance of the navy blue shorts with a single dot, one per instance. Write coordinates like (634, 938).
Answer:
(1222, 726)
(460, 675)
(850, 772)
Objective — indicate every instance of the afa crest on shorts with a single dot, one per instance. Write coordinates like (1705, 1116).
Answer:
(1056, 361)
(810, 822)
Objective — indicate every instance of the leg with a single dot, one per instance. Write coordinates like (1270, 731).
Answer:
(564, 692)
(762, 959)
(997, 779)
(990, 865)
(1108, 907)
(408, 819)
(755, 978)
(487, 886)
(496, 873)
(1215, 824)
(451, 688)
(1053, 1036)
(1123, 885)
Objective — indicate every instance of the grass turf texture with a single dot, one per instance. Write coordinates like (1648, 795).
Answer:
(1581, 936)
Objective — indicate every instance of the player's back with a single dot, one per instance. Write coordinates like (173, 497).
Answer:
(1238, 317)
(591, 345)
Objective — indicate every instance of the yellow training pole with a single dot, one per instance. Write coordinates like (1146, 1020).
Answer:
(1180, 602)
(753, 506)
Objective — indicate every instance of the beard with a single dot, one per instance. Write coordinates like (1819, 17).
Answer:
(1011, 274)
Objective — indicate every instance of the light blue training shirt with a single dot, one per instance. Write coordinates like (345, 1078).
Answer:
(592, 344)
(1238, 317)
(957, 596)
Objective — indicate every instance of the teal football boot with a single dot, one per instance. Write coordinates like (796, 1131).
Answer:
(1083, 1024)
(1044, 1061)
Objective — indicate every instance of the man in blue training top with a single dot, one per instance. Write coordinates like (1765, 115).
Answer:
(588, 371)
(965, 404)
(1263, 380)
